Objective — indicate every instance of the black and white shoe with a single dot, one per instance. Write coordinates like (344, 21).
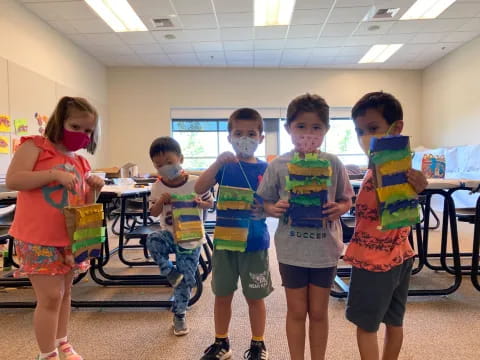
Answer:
(257, 351)
(219, 350)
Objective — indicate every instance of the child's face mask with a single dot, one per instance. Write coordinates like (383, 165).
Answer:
(75, 140)
(364, 140)
(306, 143)
(170, 171)
(244, 146)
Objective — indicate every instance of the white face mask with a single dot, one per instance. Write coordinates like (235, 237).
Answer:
(170, 171)
(244, 146)
(364, 140)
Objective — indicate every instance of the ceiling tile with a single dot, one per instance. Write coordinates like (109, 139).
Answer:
(309, 17)
(425, 38)
(313, 4)
(267, 55)
(122, 60)
(350, 3)
(180, 36)
(471, 25)
(208, 46)
(238, 45)
(235, 19)
(137, 37)
(270, 32)
(239, 55)
(232, 6)
(303, 31)
(324, 52)
(152, 8)
(300, 43)
(177, 48)
(64, 26)
(91, 26)
(346, 15)
(319, 61)
(147, 48)
(270, 44)
(353, 50)
(460, 36)
(203, 35)
(110, 39)
(204, 21)
(148, 21)
(156, 59)
(212, 58)
(187, 59)
(242, 33)
(330, 41)
(364, 28)
(442, 25)
(339, 29)
(72, 10)
(396, 38)
(461, 10)
(407, 27)
(345, 60)
(193, 7)
(362, 40)
(240, 63)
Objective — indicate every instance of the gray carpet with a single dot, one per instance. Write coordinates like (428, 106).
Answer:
(446, 327)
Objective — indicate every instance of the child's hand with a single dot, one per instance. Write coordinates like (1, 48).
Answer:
(203, 204)
(334, 210)
(277, 209)
(94, 182)
(67, 179)
(258, 212)
(165, 199)
(226, 157)
(417, 180)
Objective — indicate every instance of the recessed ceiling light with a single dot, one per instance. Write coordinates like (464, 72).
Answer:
(273, 12)
(379, 53)
(426, 9)
(118, 14)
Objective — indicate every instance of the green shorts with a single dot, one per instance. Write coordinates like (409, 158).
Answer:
(252, 268)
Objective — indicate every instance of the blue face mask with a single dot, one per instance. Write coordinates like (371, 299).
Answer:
(170, 171)
(244, 146)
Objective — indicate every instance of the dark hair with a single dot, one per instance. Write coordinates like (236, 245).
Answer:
(163, 145)
(56, 122)
(385, 103)
(245, 114)
(308, 103)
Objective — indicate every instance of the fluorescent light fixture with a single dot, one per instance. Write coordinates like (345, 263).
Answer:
(118, 14)
(426, 9)
(273, 12)
(379, 53)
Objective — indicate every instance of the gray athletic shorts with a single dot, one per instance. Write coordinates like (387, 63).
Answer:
(376, 297)
(295, 277)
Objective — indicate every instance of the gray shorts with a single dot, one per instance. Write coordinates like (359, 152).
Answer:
(295, 277)
(376, 297)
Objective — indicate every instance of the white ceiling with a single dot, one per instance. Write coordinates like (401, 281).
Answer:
(220, 33)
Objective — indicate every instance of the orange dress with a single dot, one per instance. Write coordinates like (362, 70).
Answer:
(39, 218)
(373, 249)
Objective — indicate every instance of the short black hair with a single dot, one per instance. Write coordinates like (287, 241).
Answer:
(385, 103)
(245, 114)
(163, 145)
(308, 103)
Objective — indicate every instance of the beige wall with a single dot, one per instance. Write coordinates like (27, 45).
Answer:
(140, 99)
(38, 65)
(451, 98)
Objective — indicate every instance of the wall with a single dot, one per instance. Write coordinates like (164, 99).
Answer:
(140, 99)
(451, 99)
(38, 66)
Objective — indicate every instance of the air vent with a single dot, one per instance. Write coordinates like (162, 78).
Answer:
(381, 14)
(162, 23)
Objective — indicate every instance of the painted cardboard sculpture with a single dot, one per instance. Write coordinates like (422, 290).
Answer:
(234, 206)
(390, 158)
(85, 230)
(187, 221)
(308, 181)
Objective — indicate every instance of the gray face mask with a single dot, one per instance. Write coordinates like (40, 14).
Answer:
(170, 171)
(244, 146)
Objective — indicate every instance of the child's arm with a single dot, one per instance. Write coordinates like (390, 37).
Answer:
(157, 207)
(207, 179)
(205, 201)
(20, 174)
(417, 180)
(343, 194)
(276, 209)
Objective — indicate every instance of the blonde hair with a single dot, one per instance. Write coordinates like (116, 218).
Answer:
(56, 122)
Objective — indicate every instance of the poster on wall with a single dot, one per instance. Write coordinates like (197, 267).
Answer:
(21, 126)
(4, 144)
(42, 122)
(5, 124)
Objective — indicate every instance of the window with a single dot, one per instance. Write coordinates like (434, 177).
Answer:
(202, 140)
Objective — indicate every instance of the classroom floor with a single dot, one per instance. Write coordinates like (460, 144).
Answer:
(440, 328)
